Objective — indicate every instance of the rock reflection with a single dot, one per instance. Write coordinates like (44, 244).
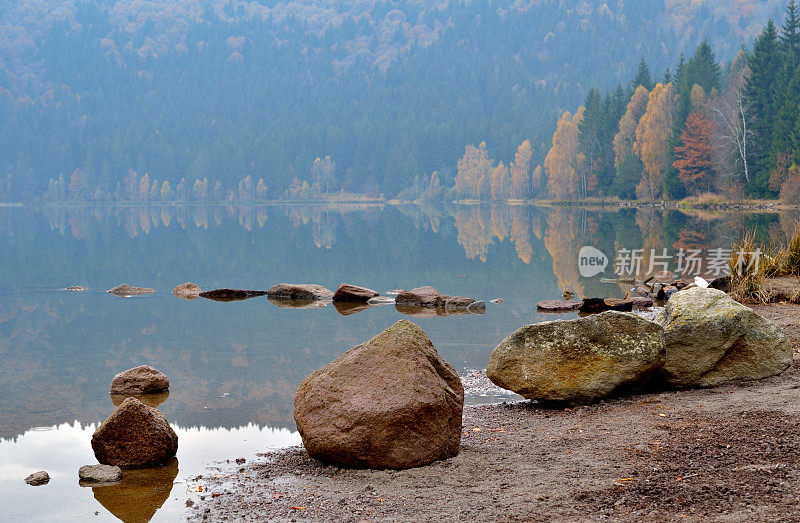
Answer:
(349, 308)
(151, 400)
(430, 312)
(297, 304)
(140, 494)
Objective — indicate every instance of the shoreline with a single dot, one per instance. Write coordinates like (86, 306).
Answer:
(727, 453)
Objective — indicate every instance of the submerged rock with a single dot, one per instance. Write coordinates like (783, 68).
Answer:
(578, 361)
(143, 379)
(712, 339)
(126, 291)
(391, 402)
(303, 291)
(454, 303)
(99, 473)
(353, 293)
(135, 435)
(231, 294)
(187, 291)
(76, 288)
(421, 296)
(38, 478)
(558, 306)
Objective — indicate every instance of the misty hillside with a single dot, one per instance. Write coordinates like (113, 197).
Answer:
(227, 93)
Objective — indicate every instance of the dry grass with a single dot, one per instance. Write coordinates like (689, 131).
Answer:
(753, 262)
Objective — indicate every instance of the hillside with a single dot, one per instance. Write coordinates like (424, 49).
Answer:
(94, 95)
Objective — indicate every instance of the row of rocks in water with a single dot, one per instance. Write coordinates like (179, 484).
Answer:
(347, 299)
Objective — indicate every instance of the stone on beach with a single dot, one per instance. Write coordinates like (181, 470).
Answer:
(135, 435)
(389, 403)
(99, 473)
(187, 291)
(126, 290)
(38, 478)
(143, 379)
(578, 361)
(353, 293)
(711, 339)
(303, 291)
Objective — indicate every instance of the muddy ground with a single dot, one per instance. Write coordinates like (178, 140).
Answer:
(725, 454)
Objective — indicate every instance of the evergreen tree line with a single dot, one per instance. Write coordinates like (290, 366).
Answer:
(700, 128)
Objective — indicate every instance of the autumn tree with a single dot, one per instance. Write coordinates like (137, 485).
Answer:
(627, 164)
(652, 140)
(473, 172)
(563, 162)
(731, 115)
(501, 183)
(520, 168)
(693, 155)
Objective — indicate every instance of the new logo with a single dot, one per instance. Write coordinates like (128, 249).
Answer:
(591, 262)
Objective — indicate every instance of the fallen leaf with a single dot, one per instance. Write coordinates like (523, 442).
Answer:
(298, 508)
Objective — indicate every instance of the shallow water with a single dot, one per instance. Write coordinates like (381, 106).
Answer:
(234, 367)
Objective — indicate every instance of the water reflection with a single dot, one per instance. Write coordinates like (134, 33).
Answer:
(239, 364)
(140, 494)
(151, 400)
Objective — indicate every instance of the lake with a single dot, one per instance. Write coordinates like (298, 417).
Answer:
(234, 367)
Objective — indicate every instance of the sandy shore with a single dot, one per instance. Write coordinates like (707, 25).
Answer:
(727, 454)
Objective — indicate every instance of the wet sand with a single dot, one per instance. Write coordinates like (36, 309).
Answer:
(726, 454)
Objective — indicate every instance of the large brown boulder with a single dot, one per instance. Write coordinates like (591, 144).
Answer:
(578, 361)
(712, 339)
(420, 297)
(135, 435)
(143, 379)
(353, 293)
(390, 403)
(302, 291)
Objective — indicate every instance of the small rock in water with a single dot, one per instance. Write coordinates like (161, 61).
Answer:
(498, 301)
(100, 473)
(394, 292)
(477, 307)
(421, 297)
(38, 478)
(76, 288)
(558, 306)
(302, 291)
(231, 294)
(187, 291)
(143, 379)
(640, 302)
(353, 293)
(125, 291)
(381, 300)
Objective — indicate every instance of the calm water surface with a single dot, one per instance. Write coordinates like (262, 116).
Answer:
(234, 367)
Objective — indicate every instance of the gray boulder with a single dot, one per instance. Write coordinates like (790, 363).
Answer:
(578, 361)
(712, 339)
(99, 474)
(391, 402)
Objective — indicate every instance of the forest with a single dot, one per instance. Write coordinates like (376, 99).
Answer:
(237, 100)
(699, 130)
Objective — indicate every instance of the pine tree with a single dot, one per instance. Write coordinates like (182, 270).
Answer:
(643, 76)
(761, 97)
